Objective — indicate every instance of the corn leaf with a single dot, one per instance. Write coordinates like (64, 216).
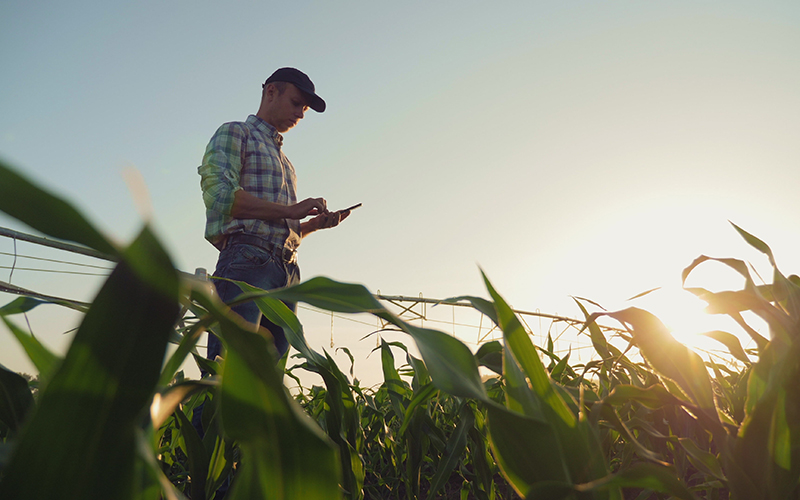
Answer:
(524, 352)
(731, 342)
(15, 399)
(641, 475)
(91, 407)
(455, 449)
(284, 453)
(42, 358)
(451, 364)
(526, 449)
(670, 358)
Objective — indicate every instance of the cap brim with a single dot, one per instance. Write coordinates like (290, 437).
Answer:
(315, 102)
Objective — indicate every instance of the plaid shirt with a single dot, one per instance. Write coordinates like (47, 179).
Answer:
(247, 155)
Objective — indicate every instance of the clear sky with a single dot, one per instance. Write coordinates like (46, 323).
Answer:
(567, 148)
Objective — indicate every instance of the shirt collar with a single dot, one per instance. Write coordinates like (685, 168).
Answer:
(266, 129)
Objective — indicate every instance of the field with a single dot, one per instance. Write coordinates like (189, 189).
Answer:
(115, 418)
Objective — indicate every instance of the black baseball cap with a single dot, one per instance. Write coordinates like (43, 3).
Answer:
(302, 82)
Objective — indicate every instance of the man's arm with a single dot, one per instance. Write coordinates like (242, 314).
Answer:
(248, 206)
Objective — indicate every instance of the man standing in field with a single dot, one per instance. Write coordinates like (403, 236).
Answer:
(250, 192)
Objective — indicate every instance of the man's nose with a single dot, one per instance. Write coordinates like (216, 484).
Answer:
(300, 113)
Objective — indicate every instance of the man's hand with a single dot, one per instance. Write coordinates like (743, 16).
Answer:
(324, 220)
(308, 207)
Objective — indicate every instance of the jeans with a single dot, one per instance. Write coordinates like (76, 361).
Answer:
(257, 267)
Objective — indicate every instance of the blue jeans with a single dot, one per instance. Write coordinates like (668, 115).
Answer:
(258, 267)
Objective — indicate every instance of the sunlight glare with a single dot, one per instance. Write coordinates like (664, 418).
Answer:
(684, 315)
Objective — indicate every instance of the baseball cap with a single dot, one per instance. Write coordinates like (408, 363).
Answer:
(302, 82)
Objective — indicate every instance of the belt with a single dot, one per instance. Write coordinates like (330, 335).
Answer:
(286, 254)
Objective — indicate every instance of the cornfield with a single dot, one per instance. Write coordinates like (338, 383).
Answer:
(115, 418)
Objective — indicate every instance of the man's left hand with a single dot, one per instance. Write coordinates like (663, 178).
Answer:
(327, 220)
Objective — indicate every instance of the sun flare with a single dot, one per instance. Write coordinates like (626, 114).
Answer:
(685, 316)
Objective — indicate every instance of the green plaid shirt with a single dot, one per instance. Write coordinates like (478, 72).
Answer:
(247, 155)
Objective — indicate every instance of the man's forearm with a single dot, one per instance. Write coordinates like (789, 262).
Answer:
(248, 206)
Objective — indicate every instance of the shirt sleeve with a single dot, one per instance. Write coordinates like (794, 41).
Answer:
(222, 168)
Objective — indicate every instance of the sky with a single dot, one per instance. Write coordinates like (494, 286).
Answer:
(580, 148)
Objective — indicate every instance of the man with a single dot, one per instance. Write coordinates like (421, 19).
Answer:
(249, 189)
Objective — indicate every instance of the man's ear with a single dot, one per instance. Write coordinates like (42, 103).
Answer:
(270, 91)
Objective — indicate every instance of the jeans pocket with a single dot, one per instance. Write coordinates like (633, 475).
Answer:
(248, 257)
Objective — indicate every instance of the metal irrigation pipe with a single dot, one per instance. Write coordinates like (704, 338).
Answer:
(10, 233)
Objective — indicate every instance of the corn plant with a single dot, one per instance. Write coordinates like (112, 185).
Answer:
(115, 418)
(736, 432)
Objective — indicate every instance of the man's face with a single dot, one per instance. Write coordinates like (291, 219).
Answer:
(286, 109)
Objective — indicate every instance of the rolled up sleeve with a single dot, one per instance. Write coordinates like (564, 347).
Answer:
(221, 169)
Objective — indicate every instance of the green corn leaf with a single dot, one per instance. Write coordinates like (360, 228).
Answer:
(765, 452)
(420, 397)
(284, 453)
(341, 419)
(349, 355)
(325, 293)
(490, 355)
(421, 376)
(197, 455)
(613, 417)
(731, 342)
(484, 306)
(451, 364)
(394, 384)
(24, 304)
(702, 459)
(455, 449)
(47, 213)
(641, 475)
(42, 358)
(526, 449)
(733, 302)
(15, 399)
(579, 447)
(278, 313)
(755, 243)
(670, 358)
(524, 352)
(598, 339)
(220, 460)
(518, 395)
(81, 440)
(647, 427)
(561, 366)
(736, 264)
(749, 299)
(154, 484)
(185, 347)
(653, 397)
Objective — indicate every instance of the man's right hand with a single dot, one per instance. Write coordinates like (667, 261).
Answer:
(307, 208)
(247, 206)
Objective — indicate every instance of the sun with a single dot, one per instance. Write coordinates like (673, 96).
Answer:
(685, 316)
